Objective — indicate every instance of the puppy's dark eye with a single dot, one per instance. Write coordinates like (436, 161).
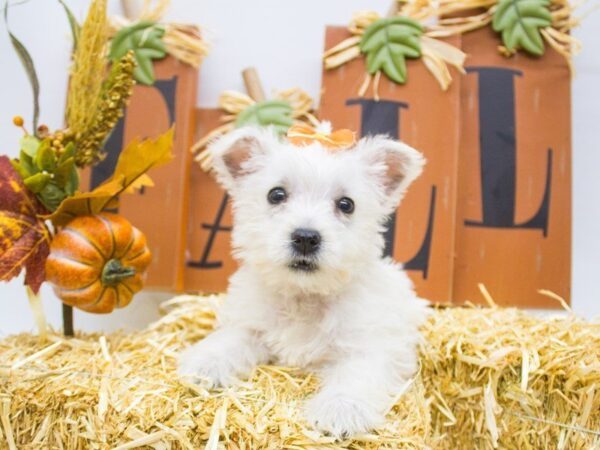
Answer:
(277, 195)
(345, 205)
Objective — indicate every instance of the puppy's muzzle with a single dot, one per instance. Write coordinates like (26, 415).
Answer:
(306, 242)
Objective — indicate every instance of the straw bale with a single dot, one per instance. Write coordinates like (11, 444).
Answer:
(489, 378)
(503, 378)
(120, 391)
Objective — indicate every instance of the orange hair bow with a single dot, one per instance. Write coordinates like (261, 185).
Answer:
(306, 135)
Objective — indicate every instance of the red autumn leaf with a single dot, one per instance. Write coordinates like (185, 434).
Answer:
(24, 238)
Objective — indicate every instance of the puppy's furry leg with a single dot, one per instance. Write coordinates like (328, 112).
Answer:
(355, 395)
(223, 356)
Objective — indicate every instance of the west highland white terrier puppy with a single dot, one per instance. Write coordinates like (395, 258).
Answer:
(313, 290)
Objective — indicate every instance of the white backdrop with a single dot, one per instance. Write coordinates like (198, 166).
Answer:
(284, 40)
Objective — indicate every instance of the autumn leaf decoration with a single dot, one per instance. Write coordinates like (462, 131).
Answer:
(24, 238)
(387, 42)
(130, 174)
(42, 184)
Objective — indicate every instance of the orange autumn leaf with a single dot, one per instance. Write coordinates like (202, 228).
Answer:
(139, 157)
(87, 203)
(24, 238)
(141, 183)
(130, 173)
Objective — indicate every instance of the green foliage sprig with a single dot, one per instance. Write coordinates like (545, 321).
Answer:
(48, 168)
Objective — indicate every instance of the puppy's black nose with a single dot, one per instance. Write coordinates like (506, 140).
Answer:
(305, 241)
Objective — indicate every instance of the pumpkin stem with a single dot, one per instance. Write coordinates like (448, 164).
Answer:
(114, 272)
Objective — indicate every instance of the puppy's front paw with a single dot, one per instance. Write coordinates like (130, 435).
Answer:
(342, 416)
(201, 366)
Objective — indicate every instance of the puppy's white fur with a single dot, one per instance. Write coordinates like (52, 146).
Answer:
(354, 320)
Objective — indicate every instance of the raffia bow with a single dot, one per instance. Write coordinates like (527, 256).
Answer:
(436, 54)
(235, 103)
(303, 135)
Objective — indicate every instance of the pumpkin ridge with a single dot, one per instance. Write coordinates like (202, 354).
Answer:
(130, 244)
(111, 231)
(76, 290)
(100, 296)
(126, 286)
(133, 282)
(84, 239)
(137, 255)
(118, 294)
(62, 256)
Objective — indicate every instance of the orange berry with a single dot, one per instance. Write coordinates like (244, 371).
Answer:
(18, 121)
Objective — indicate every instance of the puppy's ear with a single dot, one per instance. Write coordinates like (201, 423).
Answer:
(239, 152)
(394, 165)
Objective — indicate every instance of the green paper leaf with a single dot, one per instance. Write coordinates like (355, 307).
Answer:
(388, 42)
(520, 21)
(29, 67)
(275, 113)
(145, 40)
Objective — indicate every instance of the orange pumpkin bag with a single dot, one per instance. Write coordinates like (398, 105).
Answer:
(513, 221)
(208, 253)
(420, 113)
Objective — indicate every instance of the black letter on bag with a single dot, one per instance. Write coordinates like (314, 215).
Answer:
(498, 153)
(214, 228)
(383, 117)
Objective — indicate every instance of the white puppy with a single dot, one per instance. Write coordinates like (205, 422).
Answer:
(312, 290)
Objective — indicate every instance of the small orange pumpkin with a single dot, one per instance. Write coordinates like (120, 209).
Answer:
(97, 263)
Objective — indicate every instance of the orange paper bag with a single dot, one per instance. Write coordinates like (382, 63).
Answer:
(208, 253)
(421, 233)
(514, 192)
